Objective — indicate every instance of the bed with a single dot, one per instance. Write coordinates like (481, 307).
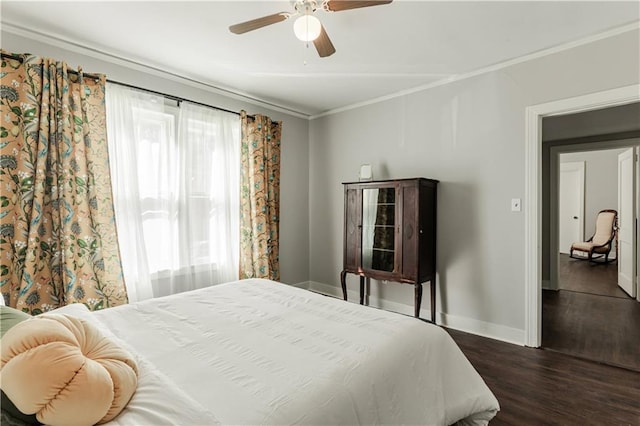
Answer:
(261, 352)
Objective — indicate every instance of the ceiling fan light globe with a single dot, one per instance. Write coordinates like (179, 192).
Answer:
(307, 28)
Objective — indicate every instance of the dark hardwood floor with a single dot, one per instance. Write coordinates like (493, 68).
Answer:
(599, 328)
(591, 317)
(588, 277)
(542, 387)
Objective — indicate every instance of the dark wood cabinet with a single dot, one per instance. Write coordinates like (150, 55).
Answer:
(390, 234)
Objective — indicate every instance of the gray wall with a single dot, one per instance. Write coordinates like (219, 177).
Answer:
(601, 183)
(294, 214)
(470, 135)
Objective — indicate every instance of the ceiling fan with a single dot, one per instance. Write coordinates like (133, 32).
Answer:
(307, 27)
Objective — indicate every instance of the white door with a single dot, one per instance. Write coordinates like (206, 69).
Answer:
(626, 222)
(570, 205)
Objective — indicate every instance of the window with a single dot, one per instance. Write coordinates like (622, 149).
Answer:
(176, 191)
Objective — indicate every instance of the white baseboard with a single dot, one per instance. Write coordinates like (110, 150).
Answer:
(303, 285)
(331, 290)
(485, 329)
(468, 325)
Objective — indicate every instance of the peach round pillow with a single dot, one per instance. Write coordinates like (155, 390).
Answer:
(65, 371)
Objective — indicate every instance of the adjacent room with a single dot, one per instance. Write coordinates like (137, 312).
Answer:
(588, 310)
(320, 212)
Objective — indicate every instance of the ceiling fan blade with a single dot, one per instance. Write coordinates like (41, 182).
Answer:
(323, 44)
(254, 24)
(339, 5)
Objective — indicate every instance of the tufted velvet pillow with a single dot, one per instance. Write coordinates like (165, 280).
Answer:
(8, 318)
(65, 371)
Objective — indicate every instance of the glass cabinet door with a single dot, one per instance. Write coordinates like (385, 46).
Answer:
(378, 228)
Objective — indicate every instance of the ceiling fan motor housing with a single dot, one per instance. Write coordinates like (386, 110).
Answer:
(305, 7)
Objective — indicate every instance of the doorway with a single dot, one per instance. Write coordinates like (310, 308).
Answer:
(587, 314)
(535, 247)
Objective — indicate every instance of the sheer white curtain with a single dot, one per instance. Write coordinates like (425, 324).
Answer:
(123, 161)
(176, 192)
(208, 199)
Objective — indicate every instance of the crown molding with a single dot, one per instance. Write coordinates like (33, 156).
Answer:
(139, 65)
(495, 67)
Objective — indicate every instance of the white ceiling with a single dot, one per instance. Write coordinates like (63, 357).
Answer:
(381, 50)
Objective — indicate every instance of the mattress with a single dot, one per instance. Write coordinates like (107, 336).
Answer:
(261, 352)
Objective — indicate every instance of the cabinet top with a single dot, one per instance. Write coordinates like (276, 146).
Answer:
(373, 182)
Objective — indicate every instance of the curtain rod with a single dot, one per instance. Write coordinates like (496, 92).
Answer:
(172, 97)
(20, 59)
(176, 98)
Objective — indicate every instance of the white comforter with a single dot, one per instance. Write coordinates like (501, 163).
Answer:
(260, 352)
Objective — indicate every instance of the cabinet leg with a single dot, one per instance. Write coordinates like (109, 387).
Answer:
(343, 282)
(432, 283)
(418, 298)
(361, 290)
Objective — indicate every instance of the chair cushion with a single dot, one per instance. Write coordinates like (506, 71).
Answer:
(63, 370)
(582, 246)
(588, 247)
(604, 228)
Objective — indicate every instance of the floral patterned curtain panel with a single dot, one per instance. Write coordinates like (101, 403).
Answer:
(58, 237)
(259, 197)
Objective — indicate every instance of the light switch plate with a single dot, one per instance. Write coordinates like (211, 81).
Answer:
(516, 205)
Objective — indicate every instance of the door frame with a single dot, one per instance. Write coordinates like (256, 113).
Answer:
(533, 191)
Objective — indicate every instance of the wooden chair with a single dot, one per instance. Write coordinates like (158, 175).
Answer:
(602, 240)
